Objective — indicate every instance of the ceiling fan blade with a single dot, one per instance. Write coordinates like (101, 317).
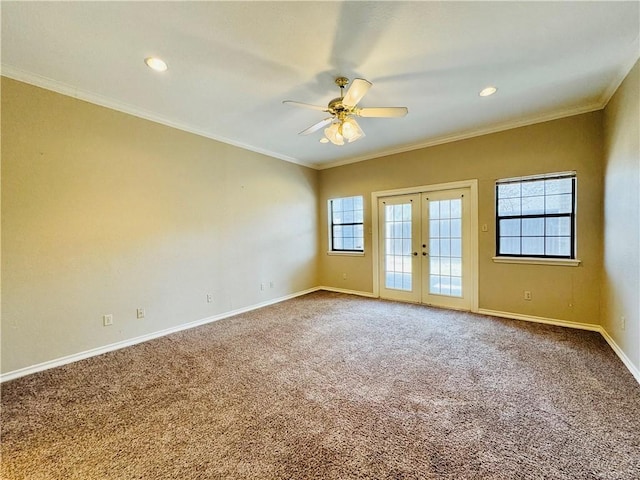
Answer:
(359, 87)
(306, 105)
(388, 112)
(317, 126)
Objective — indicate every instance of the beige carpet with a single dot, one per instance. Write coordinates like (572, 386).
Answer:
(338, 387)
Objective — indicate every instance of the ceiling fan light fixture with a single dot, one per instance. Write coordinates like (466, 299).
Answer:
(333, 134)
(350, 129)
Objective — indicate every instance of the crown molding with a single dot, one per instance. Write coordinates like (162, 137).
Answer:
(547, 117)
(47, 83)
(632, 55)
(68, 90)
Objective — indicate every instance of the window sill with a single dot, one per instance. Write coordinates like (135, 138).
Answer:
(346, 254)
(562, 262)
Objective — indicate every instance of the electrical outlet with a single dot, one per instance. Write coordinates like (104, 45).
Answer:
(270, 284)
(485, 227)
(262, 286)
(527, 295)
(344, 276)
(623, 322)
(107, 320)
(140, 313)
(209, 297)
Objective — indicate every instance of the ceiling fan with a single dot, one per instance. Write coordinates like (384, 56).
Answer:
(342, 124)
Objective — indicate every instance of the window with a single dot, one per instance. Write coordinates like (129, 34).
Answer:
(346, 224)
(535, 216)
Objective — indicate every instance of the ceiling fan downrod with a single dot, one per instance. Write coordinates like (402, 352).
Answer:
(342, 82)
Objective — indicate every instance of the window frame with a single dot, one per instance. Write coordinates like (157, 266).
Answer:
(538, 258)
(343, 251)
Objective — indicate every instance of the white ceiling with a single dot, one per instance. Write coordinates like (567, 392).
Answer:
(231, 64)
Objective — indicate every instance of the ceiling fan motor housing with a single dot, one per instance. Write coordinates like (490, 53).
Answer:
(336, 107)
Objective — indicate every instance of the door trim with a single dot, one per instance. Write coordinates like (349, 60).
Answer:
(472, 185)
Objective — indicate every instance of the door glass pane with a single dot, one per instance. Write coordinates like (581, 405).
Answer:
(435, 265)
(456, 247)
(456, 286)
(445, 285)
(456, 208)
(397, 212)
(445, 209)
(445, 228)
(406, 281)
(398, 261)
(445, 244)
(434, 225)
(445, 241)
(406, 212)
(434, 247)
(434, 211)
(456, 267)
(434, 284)
(456, 228)
(445, 266)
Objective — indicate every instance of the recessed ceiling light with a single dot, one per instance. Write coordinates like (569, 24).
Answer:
(488, 91)
(155, 63)
(324, 140)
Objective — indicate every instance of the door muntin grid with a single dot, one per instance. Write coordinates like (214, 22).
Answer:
(445, 247)
(398, 238)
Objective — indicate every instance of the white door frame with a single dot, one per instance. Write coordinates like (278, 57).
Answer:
(472, 185)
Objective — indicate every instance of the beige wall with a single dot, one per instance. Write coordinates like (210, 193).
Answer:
(621, 274)
(103, 212)
(559, 292)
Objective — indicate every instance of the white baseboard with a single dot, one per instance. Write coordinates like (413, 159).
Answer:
(143, 338)
(564, 323)
(348, 292)
(161, 333)
(548, 321)
(632, 368)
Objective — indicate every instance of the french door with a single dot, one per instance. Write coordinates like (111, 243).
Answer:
(425, 249)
